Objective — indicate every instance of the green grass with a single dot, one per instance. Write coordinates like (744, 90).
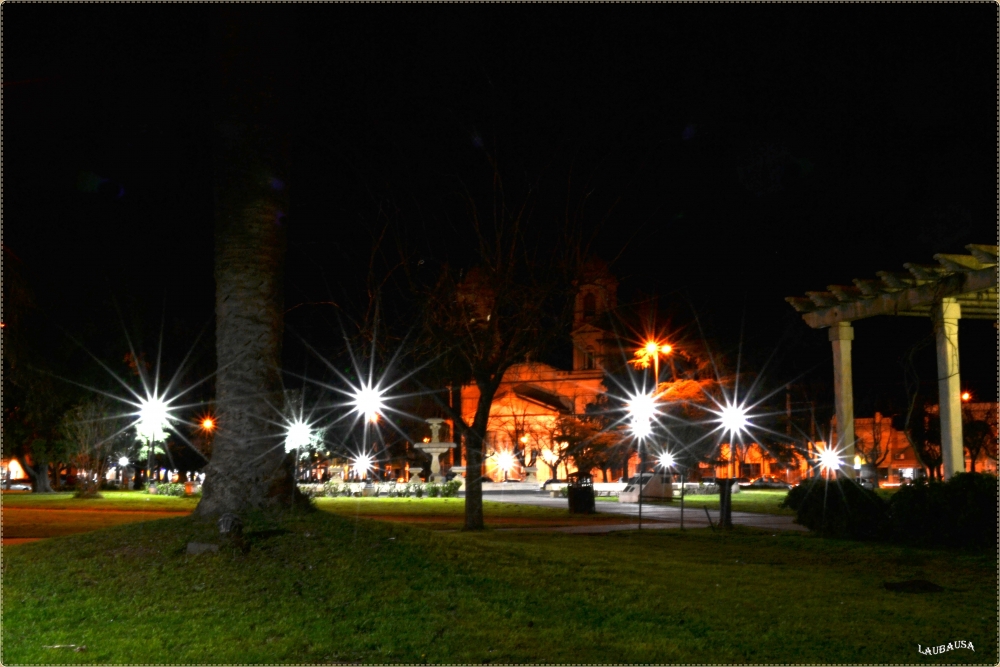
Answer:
(124, 501)
(29, 515)
(328, 588)
(449, 513)
(762, 501)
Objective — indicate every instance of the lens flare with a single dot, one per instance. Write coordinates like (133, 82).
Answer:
(154, 418)
(368, 402)
(666, 460)
(505, 461)
(734, 418)
(829, 460)
(298, 435)
(362, 464)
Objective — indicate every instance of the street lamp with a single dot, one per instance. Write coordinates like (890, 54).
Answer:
(154, 418)
(642, 409)
(505, 461)
(666, 460)
(368, 402)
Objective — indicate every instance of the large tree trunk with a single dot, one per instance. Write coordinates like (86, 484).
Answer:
(39, 474)
(474, 440)
(249, 467)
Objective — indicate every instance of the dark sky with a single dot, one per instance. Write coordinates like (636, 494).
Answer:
(734, 155)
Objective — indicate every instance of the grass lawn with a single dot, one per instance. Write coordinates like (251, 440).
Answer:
(323, 588)
(762, 501)
(51, 515)
(449, 513)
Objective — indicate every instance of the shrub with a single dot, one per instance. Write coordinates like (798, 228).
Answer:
(418, 491)
(433, 490)
(167, 489)
(450, 489)
(960, 512)
(839, 508)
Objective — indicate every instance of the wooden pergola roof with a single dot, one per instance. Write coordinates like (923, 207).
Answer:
(970, 279)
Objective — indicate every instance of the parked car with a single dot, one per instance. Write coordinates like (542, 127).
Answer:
(743, 481)
(769, 482)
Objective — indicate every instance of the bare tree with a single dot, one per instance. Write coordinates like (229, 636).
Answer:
(876, 453)
(922, 430)
(94, 430)
(512, 303)
(979, 431)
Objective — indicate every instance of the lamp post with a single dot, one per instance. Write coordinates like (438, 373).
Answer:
(154, 417)
(641, 408)
(667, 461)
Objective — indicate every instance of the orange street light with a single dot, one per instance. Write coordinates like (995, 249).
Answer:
(651, 351)
(208, 424)
(966, 396)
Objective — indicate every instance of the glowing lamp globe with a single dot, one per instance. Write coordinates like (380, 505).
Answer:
(297, 435)
(505, 461)
(153, 419)
(363, 463)
(368, 402)
(123, 461)
(734, 418)
(666, 460)
(829, 460)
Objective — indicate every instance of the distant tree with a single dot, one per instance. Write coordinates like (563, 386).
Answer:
(874, 454)
(513, 301)
(921, 428)
(94, 431)
(979, 432)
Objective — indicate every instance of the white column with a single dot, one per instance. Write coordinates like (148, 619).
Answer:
(945, 315)
(841, 335)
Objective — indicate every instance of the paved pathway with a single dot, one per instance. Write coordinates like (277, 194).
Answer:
(658, 516)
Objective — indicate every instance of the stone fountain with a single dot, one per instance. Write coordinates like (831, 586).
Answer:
(435, 448)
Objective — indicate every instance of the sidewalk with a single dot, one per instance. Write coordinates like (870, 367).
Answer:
(658, 516)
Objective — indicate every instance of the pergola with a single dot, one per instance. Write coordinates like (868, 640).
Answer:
(958, 286)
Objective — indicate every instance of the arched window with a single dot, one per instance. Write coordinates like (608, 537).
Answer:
(589, 304)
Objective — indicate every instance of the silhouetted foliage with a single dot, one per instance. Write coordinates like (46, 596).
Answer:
(839, 508)
(961, 512)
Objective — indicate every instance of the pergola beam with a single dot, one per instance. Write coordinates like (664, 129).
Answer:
(957, 286)
(907, 301)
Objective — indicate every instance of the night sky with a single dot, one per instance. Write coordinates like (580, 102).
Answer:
(726, 157)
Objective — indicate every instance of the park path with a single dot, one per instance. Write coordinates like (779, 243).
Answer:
(60, 521)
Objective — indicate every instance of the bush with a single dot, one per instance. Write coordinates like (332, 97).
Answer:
(418, 491)
(450, 489)
(839, 508)
(960, 512)
(167, 489)
(433, 490)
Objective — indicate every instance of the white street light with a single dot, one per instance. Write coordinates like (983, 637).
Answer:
(505, 461)
(368, 402)
(829, 460)
(153, 419)
(362, 464)
(123, 461)
(734, 418)
(666, 460)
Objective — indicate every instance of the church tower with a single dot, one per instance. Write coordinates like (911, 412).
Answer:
(597, 295)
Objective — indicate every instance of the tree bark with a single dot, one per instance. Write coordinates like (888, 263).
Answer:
(249, 468)
(476, 436)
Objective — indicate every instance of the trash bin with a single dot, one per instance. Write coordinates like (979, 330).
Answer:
(581, 495)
